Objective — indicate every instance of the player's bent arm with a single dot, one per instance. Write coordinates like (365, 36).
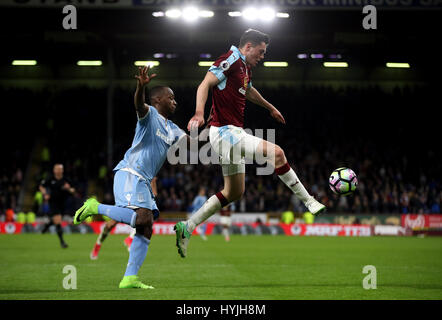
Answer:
(140, 106)
(202, 93)
(254, 96)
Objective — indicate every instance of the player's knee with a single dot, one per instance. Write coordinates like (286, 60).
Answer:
(144, 218)
(279, 155)
(148, 231)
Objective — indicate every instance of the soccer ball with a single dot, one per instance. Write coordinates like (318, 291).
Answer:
(343, 181)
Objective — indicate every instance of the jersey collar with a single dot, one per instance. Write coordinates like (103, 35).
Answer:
(236, 50)
(165, 120)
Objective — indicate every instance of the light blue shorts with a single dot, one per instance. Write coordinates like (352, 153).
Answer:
(131, 191)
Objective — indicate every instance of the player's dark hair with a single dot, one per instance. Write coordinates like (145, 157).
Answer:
(253, 36)
(156, 91)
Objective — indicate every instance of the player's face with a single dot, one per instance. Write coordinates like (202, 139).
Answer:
(254, 54)
(58, 170)
(169, 101)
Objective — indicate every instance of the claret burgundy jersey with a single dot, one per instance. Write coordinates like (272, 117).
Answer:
(229, 96)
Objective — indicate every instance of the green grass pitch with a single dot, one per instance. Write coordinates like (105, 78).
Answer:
(246, 268)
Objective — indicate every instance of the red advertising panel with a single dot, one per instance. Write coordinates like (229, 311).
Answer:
(327, 230)
(161, 228)
(422, 221)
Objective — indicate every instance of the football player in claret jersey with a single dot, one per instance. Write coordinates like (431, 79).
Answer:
(134, 200)
(230, 78)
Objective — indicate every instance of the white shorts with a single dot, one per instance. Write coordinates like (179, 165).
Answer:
(233, 145)
(225, 220)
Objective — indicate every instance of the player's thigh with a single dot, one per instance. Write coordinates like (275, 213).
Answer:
(249, 145)
(144, 222)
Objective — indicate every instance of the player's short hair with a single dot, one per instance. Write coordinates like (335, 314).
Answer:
(253, 36)
(156, 91)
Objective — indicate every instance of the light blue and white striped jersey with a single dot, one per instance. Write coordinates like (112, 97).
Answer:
(154, 135)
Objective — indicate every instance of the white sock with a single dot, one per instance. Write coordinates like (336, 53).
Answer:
(209, 207)
(291, 180)
(226, 232)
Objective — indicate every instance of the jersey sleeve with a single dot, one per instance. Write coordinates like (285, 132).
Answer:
(144, 120)
(221, 68)
(178, 133)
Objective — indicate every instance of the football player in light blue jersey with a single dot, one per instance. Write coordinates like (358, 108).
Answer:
(134, 200)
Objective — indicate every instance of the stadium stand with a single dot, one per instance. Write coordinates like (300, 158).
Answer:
(375, 143)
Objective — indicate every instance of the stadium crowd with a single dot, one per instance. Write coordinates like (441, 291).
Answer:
(372, 131)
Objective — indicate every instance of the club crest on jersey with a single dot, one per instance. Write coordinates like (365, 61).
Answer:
(225, 65)
(243, 89)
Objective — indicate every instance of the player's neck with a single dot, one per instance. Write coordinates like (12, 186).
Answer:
(243, 52)
(162, 112)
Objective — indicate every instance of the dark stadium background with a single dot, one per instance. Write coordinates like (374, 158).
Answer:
(383, 123)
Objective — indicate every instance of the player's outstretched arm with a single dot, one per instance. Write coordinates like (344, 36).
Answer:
(143, 79)
(254, 96)
(202, 93)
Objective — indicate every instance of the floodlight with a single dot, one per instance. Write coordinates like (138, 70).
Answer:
(151, 63)
(397, 65)
(335, 64)
(89, 63)
(173, 13)
(190, 14)
(278, 64)
(250, 14)
(24, 62)
(266, 14)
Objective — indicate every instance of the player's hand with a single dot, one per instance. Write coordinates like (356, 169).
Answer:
(143, 76)
(196, 122)
(277, 115)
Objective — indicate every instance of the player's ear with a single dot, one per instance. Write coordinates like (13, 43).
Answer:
(156, 99)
